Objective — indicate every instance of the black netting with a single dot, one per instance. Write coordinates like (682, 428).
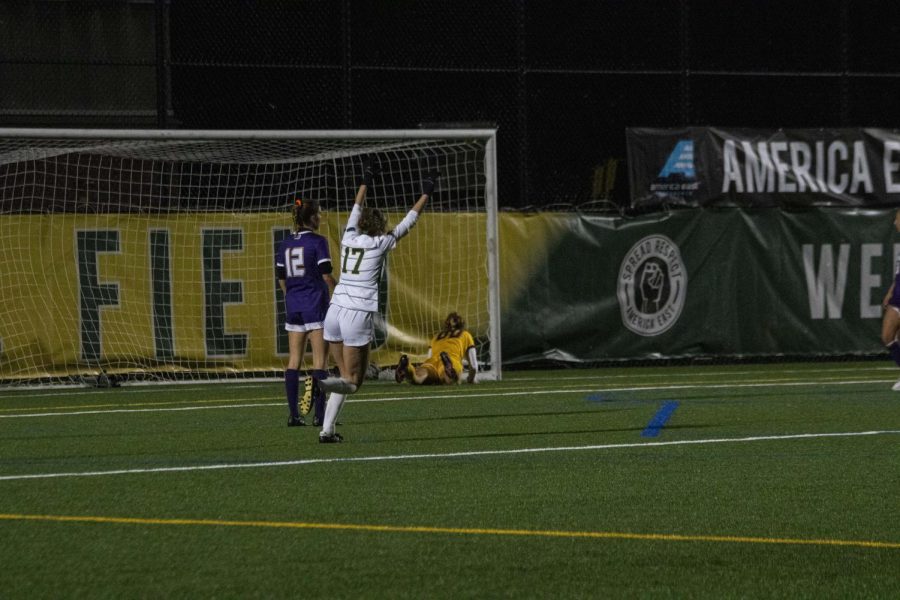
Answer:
(560, 81)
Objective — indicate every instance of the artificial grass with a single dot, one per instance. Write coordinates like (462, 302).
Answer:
(517, 481)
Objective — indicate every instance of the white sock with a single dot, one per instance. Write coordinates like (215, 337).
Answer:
(337, 384)
(332, 409)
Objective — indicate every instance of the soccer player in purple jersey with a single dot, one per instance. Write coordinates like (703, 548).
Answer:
(303, 268)
(890, 323)
(349, 323)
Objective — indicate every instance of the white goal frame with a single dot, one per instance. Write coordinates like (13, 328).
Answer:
(486, 136)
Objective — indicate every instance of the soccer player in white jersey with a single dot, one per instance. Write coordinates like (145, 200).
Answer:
(349, 325)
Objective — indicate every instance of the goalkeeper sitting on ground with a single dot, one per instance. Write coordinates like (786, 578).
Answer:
(444, 361)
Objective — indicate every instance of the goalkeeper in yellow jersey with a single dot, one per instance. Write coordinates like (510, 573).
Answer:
(444, 363)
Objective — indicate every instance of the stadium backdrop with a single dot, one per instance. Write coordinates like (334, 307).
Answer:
(728, 282)
(782, 244)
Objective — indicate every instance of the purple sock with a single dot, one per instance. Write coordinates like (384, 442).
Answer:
(319, 400)
(291, 386)
(894, 349)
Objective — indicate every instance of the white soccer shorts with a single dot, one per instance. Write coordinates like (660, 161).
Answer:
(303, 328)
(352, 327)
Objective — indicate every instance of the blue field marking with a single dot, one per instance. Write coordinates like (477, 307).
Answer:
(659, 419)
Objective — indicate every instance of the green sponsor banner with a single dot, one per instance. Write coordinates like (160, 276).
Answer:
(696, 283)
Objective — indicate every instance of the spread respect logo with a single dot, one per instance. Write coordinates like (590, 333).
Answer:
(652, 286)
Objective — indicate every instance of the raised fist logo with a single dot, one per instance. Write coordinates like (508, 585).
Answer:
(651, 285)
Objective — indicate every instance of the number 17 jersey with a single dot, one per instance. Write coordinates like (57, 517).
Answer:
(362, 262)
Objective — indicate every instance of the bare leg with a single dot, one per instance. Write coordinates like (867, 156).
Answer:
(319, 348)
(348, 359)
(890, 323)
(297, 347)
(356, 361)
(889, 327)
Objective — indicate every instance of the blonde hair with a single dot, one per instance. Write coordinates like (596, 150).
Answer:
(372, 221)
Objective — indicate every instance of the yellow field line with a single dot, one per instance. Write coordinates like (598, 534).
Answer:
(664, 537)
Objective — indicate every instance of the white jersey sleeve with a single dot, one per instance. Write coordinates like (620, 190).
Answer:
(404, 226)
(363, 260)
(353, 219)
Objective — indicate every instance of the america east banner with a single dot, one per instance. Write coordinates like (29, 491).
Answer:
(696, 283)
(705, 166)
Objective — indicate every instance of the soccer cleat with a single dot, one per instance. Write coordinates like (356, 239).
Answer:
(448, 366)
(330, 438)
(400, 373)
(896, 387)
(298, 422)
(306, 400)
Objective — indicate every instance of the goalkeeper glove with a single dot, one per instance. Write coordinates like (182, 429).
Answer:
(429, 182)
(370, 170)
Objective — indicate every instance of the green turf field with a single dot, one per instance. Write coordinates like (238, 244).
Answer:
(721, 481)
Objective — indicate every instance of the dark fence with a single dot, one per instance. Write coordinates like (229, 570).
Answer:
(562, 81)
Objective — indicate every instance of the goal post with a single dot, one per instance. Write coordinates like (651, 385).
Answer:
(148, 255)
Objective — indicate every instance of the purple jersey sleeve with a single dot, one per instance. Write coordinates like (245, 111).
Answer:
(323, 253)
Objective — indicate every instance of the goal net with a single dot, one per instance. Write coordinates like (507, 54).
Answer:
(149, 255)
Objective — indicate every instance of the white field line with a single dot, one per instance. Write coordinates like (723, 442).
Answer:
(438, 456)
(563, 376)
(231, 403)
(701, 371)
(140, 410)
(641, 388)
(149, 388)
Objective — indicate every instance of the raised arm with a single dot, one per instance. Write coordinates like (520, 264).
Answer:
(361, 194)
(370, 170)
(412, 216)
(427, 189)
